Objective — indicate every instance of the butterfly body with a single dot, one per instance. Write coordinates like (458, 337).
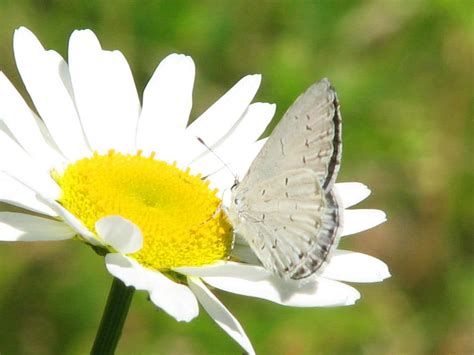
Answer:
(285, 207)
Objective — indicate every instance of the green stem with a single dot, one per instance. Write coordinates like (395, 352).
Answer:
(113, 318)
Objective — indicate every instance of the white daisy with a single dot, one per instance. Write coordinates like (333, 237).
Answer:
(133, 180)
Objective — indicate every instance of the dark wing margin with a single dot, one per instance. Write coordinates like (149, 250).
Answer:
(309, 135)
(335, 161)
(317, 257)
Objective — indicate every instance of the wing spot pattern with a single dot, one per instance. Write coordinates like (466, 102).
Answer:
(321, 136)
(308, 128)
(314, 263)
(281, 146)
(299, 274)
(325, 248)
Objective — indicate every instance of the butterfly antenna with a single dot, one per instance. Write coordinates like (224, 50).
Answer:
(200, 140)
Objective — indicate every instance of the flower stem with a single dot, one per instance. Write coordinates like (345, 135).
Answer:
(113, 318)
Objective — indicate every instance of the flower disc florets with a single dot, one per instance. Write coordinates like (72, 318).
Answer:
(178, 215)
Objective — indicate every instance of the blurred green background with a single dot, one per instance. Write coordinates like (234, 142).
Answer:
(404, 74)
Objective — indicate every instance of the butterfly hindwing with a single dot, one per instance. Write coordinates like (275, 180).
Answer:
(289, 223)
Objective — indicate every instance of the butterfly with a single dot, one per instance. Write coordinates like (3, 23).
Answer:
(285, 207)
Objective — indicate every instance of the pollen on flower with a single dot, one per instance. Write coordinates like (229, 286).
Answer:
(177, 213)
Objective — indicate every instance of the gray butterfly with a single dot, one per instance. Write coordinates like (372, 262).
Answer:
(284, 207)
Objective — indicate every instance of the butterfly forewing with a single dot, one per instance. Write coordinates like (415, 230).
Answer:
(308, 136)
(284, 207)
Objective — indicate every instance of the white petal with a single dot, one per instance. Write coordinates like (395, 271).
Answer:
(253, 123)
(355, 267)
(14, 193)
(245, 253)
(233, 147)
(128, 271)
(220, 314)
(182, 152)
(18, 164)
(255, 281)
(105, 93)
(46, 77)
(72, 221)
(22, 227)
(351, 193)
(175, 299)
(223, 179)
(167, 102)
(24, 125)
(359, 220)
(219, 119)
(241, 165)
(121, 234)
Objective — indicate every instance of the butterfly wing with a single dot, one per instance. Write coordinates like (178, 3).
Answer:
(284, 207)
(289, 221)
(308, 136)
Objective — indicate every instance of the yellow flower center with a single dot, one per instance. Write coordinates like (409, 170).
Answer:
(179, 216)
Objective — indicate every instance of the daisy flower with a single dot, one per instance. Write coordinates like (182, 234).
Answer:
(134, 181)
